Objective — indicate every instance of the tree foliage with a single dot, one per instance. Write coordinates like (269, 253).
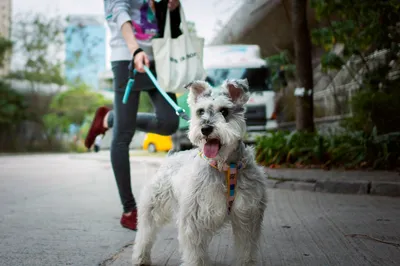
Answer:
(76, 103)
(5, 46)
(12, 106)
(364, 27)
(38, 39)
(282, 69)
(38, 49)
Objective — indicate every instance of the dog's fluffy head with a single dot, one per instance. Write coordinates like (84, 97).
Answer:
(217, 116)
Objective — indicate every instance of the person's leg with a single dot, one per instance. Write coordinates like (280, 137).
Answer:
(123, 121)
(163, 121)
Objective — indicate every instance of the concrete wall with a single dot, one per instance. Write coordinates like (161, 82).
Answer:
(266, 23)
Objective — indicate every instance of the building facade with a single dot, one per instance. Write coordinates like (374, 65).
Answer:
(85, 49)
(5, 31)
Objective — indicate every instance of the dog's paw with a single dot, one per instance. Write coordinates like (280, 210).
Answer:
(141, 262)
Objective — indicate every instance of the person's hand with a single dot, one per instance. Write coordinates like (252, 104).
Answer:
(173, 4)
(140, 60)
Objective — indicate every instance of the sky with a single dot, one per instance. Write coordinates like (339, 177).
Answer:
(206, 14)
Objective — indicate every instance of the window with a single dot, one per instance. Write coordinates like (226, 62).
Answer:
(258, 78)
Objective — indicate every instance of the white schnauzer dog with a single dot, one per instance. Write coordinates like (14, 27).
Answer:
(207, 187)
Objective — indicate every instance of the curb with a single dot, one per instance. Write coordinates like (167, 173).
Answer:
(376, 188)
(327, 185)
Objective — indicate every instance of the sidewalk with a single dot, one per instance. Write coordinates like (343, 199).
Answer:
(64, 209)
(304, 229)
(382, 183)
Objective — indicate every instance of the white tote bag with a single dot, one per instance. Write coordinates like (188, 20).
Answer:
(178, 61)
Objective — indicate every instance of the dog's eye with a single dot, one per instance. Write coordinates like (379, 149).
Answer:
(200, 112)
(224, 111)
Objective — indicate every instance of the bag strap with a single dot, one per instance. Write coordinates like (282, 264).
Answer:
(167, 28)
(183, 20)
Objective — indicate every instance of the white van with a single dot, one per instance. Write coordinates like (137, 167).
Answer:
(238, 62)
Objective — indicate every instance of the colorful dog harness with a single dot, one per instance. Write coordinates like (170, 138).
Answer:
(231, 178)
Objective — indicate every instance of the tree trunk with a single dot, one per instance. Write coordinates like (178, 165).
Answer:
(304, 71)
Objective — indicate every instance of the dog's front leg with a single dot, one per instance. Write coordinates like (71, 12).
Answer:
(246, 226)
(193, 239)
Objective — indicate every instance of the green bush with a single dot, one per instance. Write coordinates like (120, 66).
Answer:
(77, 147)
(76, 102)
(5, 46)
(349, 150)
(377, 105)
(283, 147)
(12, 106)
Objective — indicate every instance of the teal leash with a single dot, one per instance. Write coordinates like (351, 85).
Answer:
(128, 88)
(178, 110)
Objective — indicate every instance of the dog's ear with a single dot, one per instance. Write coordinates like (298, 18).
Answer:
(197, 89)
(238, 90)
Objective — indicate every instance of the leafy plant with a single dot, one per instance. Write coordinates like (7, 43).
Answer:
(363, 27)
(283, 147)
(37, 39)
(282, 69)
(5, 46)
(12, 106)
(75, 103)
(349, 150)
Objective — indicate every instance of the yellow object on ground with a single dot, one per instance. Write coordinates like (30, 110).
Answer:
(154, 142)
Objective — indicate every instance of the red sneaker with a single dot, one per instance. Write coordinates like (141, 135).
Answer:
(97, 127)
(130, 221)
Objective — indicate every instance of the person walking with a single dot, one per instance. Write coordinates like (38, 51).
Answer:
(133, 24)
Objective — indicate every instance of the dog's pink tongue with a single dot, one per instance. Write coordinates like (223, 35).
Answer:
(211, 148)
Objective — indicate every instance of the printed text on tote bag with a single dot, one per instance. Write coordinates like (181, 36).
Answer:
(183, 58)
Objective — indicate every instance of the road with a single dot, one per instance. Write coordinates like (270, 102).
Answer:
(64, 210)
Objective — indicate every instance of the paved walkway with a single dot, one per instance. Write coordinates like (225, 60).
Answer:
(60, 210)
(304, 228)
(64, 210)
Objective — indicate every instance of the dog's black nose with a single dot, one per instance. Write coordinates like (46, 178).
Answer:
(206, 130)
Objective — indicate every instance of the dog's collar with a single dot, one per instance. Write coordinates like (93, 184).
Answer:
(225, 167)
(231, 177)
